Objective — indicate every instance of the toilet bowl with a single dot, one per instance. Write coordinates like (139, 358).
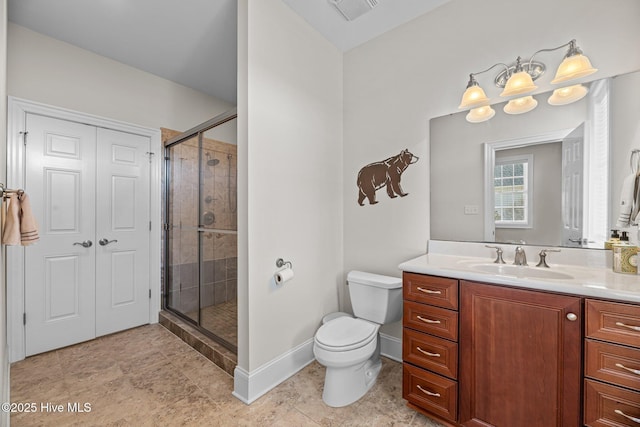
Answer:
(348, 346)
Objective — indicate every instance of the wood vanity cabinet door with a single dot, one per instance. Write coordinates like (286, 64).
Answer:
(519, 357)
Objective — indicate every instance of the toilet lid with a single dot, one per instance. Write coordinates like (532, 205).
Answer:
(345, 333)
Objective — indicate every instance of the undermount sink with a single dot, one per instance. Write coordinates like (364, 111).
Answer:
(520, 271)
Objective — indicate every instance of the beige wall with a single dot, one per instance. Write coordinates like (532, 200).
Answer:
(293, 142)
(395, 83)
(52, 72)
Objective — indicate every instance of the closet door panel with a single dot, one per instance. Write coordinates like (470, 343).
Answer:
(122, 231)
(59, 270)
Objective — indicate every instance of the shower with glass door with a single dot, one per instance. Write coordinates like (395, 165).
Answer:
(200, 241)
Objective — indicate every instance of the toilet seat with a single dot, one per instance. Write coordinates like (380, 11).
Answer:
(345, 333)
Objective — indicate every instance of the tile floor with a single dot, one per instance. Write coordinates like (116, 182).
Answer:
(149, 377)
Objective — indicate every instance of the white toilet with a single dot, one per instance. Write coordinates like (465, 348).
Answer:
(349, 347)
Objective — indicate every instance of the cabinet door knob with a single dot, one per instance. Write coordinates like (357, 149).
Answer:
(572, 317)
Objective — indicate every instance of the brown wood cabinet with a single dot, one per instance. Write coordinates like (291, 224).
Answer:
(612, 364)
(486, 355)
(429, 346)
(520, 361)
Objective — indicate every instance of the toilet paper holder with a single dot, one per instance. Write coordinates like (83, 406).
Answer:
(281, 263)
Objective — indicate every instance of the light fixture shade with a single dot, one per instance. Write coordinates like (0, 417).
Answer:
(567, 95)
(473, 97)
(519, 83)
(520, 105)
(573, 67)
(480, 114)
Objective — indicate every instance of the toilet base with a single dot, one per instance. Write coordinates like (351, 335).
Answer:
(344, 386)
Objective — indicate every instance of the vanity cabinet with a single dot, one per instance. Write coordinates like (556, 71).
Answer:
(476, 354)
(612, 364)
(520, 357)
(430, 345)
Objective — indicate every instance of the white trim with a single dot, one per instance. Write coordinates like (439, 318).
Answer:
(391, 347)
(249, 386)
(490, 149)
(17, 110)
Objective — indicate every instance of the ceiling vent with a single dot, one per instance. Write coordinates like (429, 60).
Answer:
(352, 9)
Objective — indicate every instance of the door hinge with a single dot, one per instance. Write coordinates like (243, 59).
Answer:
(165, 227)
(149, 293)
(24, 318)
(149, 225)
(24, 136)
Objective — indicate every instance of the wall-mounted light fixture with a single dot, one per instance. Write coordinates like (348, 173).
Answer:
(518, 79)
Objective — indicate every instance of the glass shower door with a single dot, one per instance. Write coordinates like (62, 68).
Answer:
(218, 233)
(182, 228)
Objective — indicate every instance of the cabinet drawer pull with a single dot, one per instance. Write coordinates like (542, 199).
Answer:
(428, 393)
(619, 412)
(427, 353)
(428, 320)
(633, 328)
(633, 371)
(428, 291)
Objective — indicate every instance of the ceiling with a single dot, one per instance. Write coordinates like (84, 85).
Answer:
(196, 45)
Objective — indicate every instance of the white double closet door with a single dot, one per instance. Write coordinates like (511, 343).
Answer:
(89, 274)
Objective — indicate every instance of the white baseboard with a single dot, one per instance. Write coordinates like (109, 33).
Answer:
(249, 386)
(391, 347)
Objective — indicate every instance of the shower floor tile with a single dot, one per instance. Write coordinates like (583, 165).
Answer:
(147, 376)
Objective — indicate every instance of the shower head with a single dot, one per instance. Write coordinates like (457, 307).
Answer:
(210, 161)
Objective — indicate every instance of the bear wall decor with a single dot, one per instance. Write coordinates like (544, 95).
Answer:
(376, 175)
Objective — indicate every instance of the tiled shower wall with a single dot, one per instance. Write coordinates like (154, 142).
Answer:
(219, 247)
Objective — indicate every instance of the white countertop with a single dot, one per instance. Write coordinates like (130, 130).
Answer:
(582, 280)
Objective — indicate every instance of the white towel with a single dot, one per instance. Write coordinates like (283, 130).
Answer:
(11, 230)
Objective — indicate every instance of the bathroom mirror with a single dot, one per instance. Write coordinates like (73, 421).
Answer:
(568, 207)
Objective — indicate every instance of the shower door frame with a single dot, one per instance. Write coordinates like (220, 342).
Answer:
(195, 131)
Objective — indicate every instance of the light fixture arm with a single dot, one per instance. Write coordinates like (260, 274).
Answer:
(573, 50)
(472, 75)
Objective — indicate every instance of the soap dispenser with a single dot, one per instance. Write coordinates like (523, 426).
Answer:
(614, 239)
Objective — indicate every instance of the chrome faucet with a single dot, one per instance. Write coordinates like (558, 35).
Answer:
(498, 249)
(543, 257)
(520, 257)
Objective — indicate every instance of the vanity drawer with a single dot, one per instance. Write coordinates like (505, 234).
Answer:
(439, 291)
(432, 320)
(607, 362)
(429, 352)
(603, 400)
(431, 392)
(612, 321)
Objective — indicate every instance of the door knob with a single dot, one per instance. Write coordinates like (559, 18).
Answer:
(572, 317)
(105, 242)
(85, 244)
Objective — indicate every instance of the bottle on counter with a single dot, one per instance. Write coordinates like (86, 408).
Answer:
(614, 239)
(625, 256)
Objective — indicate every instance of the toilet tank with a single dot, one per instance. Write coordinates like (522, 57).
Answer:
(374, 297)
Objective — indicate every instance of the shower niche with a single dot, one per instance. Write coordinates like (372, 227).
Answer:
(200, 238)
